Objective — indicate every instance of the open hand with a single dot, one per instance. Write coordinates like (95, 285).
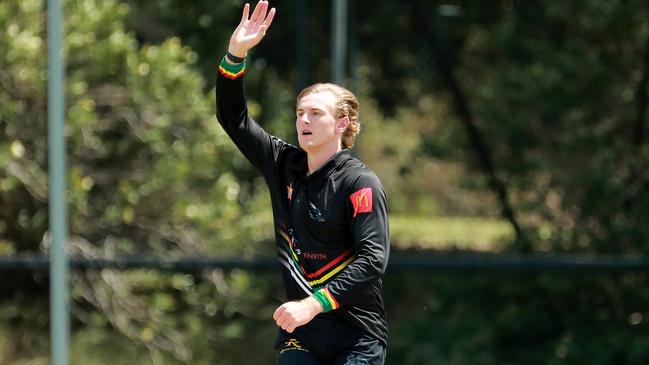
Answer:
(251, 29)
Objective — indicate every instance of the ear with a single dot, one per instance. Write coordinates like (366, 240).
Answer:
(343, 123)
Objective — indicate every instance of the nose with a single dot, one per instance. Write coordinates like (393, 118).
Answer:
(303, 118)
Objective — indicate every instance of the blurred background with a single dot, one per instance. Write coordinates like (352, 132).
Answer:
(498, 128)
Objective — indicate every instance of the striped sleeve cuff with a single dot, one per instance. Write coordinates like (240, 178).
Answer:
(232, 71)
(324, 297)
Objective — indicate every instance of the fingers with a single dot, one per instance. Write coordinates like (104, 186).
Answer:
(260, 17)
(278, 312)
(286, 322)
(269, 18)
(246, 11)
(282, 320)
(282, 317)
(260, 10)
(283, 323)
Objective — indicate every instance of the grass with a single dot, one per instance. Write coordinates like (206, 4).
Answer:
(435, 233)
(446, 233)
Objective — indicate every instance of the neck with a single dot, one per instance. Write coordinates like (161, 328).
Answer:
(317, 159)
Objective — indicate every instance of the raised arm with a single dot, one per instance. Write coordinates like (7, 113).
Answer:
(259, 147)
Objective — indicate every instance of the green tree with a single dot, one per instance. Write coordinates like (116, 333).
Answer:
(557, 91)
(150, 173)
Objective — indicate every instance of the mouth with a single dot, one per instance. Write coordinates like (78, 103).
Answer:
(306, 133)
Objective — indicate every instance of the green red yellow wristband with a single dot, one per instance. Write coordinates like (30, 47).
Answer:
(232, 71)
(324, 297)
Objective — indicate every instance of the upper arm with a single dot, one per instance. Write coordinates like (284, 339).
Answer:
(259, 147)
(368, 212)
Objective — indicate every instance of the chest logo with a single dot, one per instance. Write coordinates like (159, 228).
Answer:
(362, 201)
(315, 213)
(289, 189)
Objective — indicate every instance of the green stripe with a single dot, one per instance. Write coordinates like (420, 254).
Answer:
(297, 264)
(322, 299)
(233, 68)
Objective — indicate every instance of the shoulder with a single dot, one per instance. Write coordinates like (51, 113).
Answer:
(359, 176)
(364, 191)
(286, 149)
(291, 161)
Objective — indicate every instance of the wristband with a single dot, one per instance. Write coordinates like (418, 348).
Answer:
(326, 300)
(232, 71)
(234, 58)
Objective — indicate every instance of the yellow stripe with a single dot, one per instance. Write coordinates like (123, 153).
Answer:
(332, 272)
(289, 244)
(222, 69)
(330, 299)
(283, 235)
(230, 74)
(293, 253)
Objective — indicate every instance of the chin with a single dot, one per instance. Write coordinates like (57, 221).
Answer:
(305, 145)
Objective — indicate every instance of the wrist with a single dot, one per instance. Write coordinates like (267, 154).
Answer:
(237, 52)
(313, 304)
(234, 60)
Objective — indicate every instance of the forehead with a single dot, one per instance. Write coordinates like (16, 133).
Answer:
(320, 100)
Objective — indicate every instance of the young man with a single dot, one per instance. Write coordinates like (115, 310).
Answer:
(329, 211)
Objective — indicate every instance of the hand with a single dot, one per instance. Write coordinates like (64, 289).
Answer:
(251, 30)
(291, 315)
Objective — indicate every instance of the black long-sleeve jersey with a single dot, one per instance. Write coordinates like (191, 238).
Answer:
(331, 226)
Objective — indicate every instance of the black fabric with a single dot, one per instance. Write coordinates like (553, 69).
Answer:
(331, 226)
(330, 340)
(367, 350)
(293, 352)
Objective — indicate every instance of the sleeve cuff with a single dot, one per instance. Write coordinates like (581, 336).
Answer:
(232, 71)
(328, 302)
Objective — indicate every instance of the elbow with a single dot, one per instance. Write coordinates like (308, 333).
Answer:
(379, 266)
(381, 263)
(382, 268)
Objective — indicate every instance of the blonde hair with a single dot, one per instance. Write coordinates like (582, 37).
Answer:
(346, 105)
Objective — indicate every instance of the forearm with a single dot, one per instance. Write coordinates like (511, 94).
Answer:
(231, 105)
(353, 279)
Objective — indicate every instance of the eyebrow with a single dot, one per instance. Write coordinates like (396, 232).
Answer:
(309, 108)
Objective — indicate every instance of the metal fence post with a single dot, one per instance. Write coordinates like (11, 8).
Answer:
(59, 313)
(338, 41)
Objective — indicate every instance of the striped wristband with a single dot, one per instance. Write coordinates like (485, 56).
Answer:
(232, 71)
(324, 297)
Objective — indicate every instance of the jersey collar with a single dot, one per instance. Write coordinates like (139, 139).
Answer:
(331, 165)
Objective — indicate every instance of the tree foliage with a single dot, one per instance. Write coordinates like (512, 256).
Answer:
(150, 172)
(557, 92)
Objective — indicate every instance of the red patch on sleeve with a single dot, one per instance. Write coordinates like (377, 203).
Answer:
(362, 201)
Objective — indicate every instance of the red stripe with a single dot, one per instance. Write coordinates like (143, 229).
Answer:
(330, 265)
(336, 304)
(230, 75)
